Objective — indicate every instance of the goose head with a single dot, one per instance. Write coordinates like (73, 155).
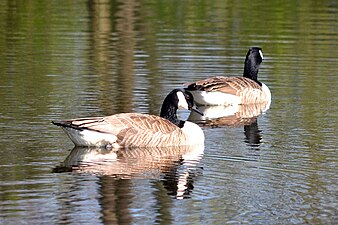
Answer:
(253, 59)
(177, 99)
(186, 101)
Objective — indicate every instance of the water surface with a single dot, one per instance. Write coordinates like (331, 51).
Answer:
(90, 58)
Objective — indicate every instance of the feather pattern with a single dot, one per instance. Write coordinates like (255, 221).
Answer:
(231, 85)
(135, 129)
(237, 90)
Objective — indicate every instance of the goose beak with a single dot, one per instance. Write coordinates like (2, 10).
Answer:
(195, 109)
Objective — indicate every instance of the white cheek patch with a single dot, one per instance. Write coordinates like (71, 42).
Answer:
(182, 102)
(261, 53)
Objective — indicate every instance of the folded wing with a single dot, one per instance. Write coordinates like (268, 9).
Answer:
(133, 129)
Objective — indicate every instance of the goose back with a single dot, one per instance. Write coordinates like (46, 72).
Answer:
(138, 130)
(221, 90)
(239, 90)
(130, 130)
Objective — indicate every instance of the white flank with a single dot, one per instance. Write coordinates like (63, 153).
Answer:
(90, 138)
(214, 98)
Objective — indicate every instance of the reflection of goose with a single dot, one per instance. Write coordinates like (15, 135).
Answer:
(252, 134)
(138, 130)
(222, 90)
(176, 164)
(234, 115)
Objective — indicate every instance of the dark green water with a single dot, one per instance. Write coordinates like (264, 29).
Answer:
(61, 60)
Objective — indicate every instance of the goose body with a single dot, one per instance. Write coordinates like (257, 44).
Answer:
(138, 130)
(221, 90)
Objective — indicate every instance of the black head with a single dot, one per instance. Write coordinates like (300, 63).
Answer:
(253, 59)
(185, 99)
(177, 98)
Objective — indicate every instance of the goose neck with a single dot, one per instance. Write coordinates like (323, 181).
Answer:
(251, 71)
(169, 112)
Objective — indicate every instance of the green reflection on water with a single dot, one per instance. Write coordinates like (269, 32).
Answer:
(85, 58)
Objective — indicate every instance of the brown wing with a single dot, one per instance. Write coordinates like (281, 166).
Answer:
(231, 85)
(141, 122)
(115, 123)
(134, 129)
(145, 130)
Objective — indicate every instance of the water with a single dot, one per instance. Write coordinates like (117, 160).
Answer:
(81, 59)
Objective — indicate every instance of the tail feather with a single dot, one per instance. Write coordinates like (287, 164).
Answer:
(67, 124)
(192, 86)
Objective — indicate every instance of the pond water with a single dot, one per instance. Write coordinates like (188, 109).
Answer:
(93, 58)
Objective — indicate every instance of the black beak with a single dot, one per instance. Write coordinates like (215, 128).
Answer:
(194, 108)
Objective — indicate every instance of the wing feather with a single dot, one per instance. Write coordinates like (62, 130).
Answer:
(134, 129)
(231, 85)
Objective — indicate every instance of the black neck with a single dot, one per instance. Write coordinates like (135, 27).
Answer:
(168, 111)
(251, 70)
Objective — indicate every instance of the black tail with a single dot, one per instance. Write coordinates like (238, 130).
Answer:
(57, 123)
(67, 124)
(191, 87)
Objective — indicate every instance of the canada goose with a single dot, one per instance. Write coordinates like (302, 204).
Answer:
(222, 90)
(138, 130)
